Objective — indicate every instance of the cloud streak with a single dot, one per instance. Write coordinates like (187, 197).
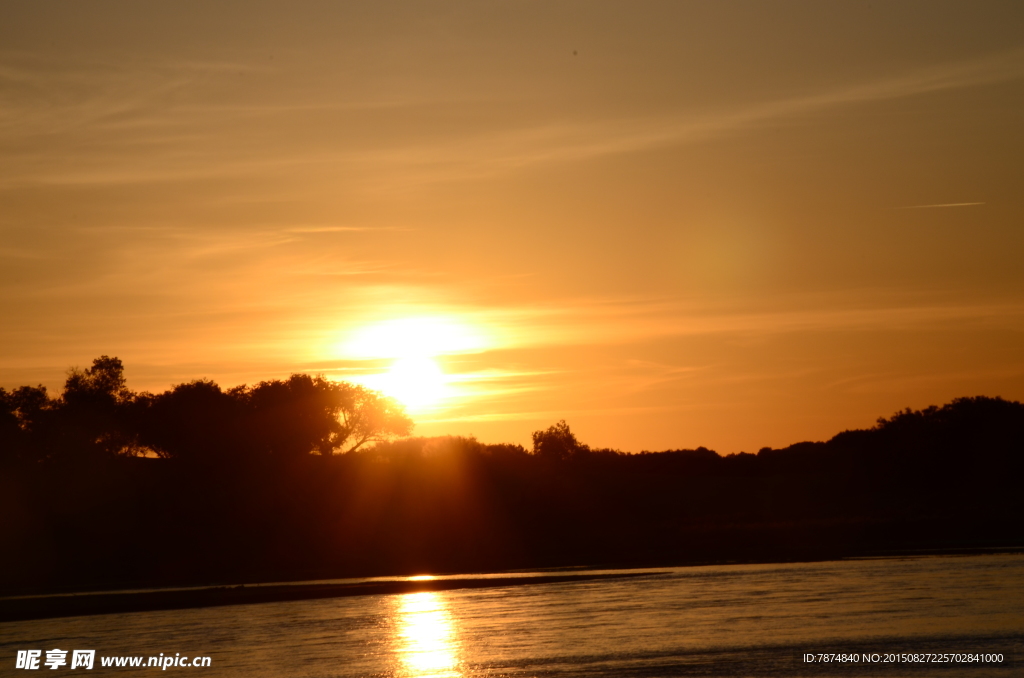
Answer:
(586, 322)
(575, 140)
(948, 204)
(162, 124)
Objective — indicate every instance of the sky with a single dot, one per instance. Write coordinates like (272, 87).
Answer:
(672, 224)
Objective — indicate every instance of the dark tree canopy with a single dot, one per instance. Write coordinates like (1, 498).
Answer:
(557, 442)
(270, 500)
(279, 419)
(195, 421)
(23, 414)
(305, 414)
(103, 382)
(98, 417)
(94, 412)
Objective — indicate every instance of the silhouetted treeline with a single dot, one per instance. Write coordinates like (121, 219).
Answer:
(98, 418)
(245, 488)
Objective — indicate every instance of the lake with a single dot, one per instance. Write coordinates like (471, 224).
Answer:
(722, 620)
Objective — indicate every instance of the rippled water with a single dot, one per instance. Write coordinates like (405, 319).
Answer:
(736, 620)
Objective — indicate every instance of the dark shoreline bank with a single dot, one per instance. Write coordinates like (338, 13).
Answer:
(50, 606)
(87, 604)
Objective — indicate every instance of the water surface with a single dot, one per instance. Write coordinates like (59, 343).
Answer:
(734, 620)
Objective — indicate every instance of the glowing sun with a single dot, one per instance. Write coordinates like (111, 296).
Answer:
(417, 382)
(412, 345)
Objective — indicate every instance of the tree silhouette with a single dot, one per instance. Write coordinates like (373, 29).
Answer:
(294, 417)
(306, 414)
(11, 433)
(279, 419)
(368, 417)
(103, 381)
(91, 414)
(557, 442)
(251, 485)
(23, 414)
(195, 421)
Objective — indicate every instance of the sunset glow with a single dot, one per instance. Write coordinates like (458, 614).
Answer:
(665, 223)
(411, 348)
(414, 336)
(416, 381)
(300, 301)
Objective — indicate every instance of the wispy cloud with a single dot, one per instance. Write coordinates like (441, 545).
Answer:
(603, 321)
(163, 124)
(947, 204)
(575, 140)
(325, 229)
(546, 414)
(342, 229)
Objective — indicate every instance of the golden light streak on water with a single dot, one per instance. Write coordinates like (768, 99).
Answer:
(428, 642)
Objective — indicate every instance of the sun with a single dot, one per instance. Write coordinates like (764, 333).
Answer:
(413, 348)
(418, 382)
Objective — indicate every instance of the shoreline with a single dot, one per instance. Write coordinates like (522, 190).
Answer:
(88, 604)
(73, 604)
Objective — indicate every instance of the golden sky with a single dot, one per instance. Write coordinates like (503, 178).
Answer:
(672, 224)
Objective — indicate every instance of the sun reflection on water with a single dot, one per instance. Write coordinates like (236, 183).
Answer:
(427, 641)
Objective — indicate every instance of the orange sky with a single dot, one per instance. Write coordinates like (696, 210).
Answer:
(672, 224)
